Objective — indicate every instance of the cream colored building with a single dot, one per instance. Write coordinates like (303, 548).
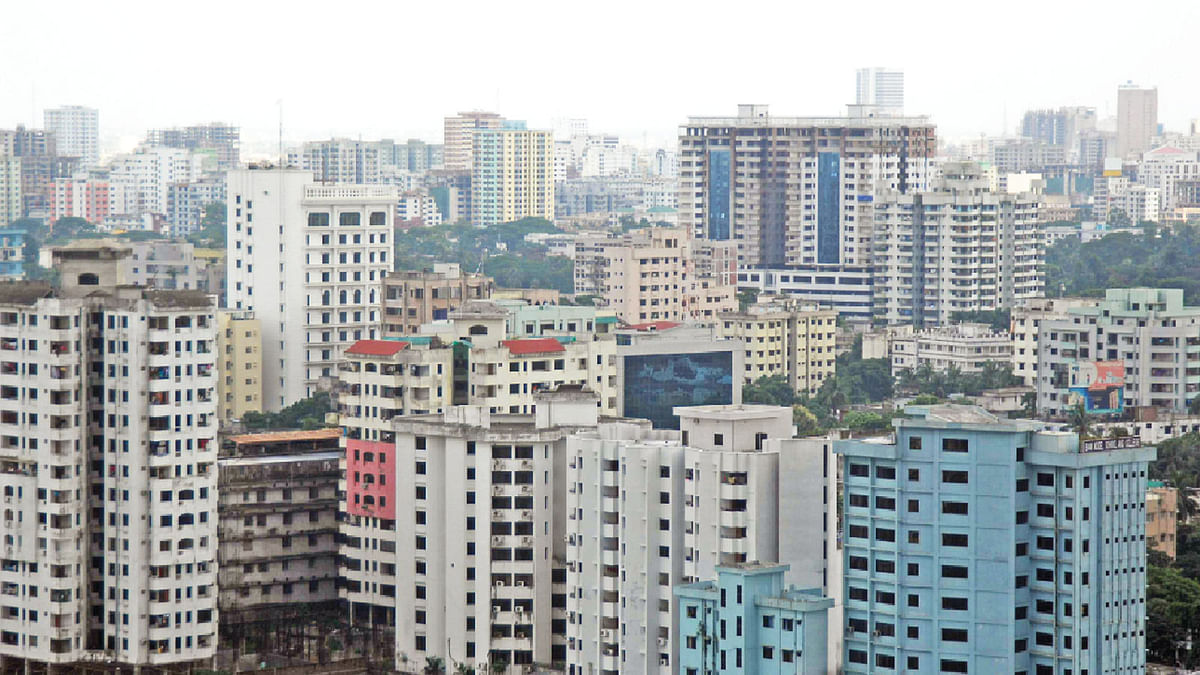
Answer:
(239, 381)
(458, 132)
(965, 346)
(1162, 516)
(415, 297)
(1023, 330)
(651, 275)
(784, 337)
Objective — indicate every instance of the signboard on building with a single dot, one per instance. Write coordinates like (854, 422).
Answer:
(1101, 444)
(1099, 385)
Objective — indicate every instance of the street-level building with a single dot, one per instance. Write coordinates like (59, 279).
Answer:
(974, 544)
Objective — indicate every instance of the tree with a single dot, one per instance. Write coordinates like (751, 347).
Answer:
(464, 669)
(999, 320)
(308, 413)
(746, 297)
(926, 399)
(769, 390)
(434, 665)
(1080, 420)
(806, 422)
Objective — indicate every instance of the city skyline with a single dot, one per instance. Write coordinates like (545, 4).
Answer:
(565, 87)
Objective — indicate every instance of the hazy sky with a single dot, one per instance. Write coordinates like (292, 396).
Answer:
(394, 69)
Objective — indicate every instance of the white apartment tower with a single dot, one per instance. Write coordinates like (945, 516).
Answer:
(77, 131)
(881, 87)
(309, 260)
(651, 509)
(959, 247)
(108, 454)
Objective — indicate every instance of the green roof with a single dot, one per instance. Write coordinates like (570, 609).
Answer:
(606, 319)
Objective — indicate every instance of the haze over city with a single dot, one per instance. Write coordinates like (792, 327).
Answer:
(633, 68)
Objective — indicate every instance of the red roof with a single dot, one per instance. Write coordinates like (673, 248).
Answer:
(654, 325)
(376, 347)
(533, 346)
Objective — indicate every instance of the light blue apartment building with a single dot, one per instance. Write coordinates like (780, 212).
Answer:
(974, 544)
(748, 622)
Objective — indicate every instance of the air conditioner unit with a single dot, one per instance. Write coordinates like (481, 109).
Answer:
(522, 585)
(605, 633)
(662, 642)
(663, 662)
(499, 583)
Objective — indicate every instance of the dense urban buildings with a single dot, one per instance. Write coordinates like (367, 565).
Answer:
(784, 337)
(459, 134)
(310, 268)
(412, 298)
(880, 87)
(222, 141)
(964, 347)
(512, 174)
(976, 544)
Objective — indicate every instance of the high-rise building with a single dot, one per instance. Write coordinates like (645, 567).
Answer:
(223, 141)
(652, 509)
(964, 347)
(309, 260)
(1137, 119)
(141, 181)
(77, 132)
(1059, 127)
(239, 364)
(186, 204)
(108, 427)
(512, 175)
(341, 160)
(455, 524)
(974, 544)
(978, 250)
(882, 87)
(10, 189)
(1027, 317)
(458, 139)
(797, 194)
(1135, 348)
(784, 629)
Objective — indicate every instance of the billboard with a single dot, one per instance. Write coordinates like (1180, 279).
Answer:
(1100, 385)
(656, 383)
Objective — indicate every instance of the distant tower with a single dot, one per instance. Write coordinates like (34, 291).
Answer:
(1137, 119)
(881, 87)
(77, 130)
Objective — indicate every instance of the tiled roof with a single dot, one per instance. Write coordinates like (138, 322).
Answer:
(533, 346)
(376, 347)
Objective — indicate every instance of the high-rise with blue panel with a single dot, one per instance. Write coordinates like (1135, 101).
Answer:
(747, 622)
(974, 544)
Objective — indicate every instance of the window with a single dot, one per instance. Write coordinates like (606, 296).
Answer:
(858, 562)
(1045, 510)
(885, 472)
(954, 635)
(858, 656)
(1045, 480)
(954, 539)
(885, 503)
(860, 470)
(957, 477)
(1023, 548)
(1022, 485)
(914, 475)
(954, 444)
(1044, 639)
(1022, 517)
(954, 571)
(858, 593)
(954, 508)
(914, 537)
(914, 663)
(859, 501)
(914, 600)
(954, 604)
(1021, 581)
(914, 569)
(914, 442)
(952, 666)
(913, 632)
(1020, 613)
(885, 661)
(768, 652)
(885, 534)
(885, 566)
(914, 506)
(885, 597)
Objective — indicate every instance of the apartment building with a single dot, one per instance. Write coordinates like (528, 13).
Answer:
(1137, 119)
(1137, 348)
(166, 265)
(141, 180)
(187, 202)
(224, 141)
(1162, 517)
(650, 275)
(471, 360)
(784, 629)
(1026, 319)
(652, 509)
(309, 261)
(458, 140)
(512, 175)
(785, 337)
(109, 473)
(239, 365)
(76, 130)
(473, 570)
(974, 544)
(880, 87)
(412, 298)
(966, 347)
(80, 197)
(979, 250)
(278, 527)
(10, 189)
(340, 161)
